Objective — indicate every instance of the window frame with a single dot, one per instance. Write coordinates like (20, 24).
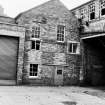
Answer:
(59, 68)
(36, 31)
(101, 7)
(91, 9)
(77, 49)
(37, 70)
(61, 33)
(35, 40)
(83, 12)
(59, 73)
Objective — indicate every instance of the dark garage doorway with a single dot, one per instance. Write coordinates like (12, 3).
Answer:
(94, 61)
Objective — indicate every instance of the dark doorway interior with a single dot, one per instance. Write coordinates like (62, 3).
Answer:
(94, 54)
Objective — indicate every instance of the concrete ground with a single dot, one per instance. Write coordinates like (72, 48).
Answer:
(34, 95)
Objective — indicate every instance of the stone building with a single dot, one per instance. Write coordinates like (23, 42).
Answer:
(91, 17)
(52, 45)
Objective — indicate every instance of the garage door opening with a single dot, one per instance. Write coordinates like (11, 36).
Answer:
(8, 60)
(94, 61)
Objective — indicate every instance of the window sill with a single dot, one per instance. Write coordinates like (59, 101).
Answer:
(33, 77)
(34, 50)
(34, 38)
(60, 41)
(74, 53)
(102, 16)
(92, 20)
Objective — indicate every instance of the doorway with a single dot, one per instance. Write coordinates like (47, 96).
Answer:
(8, 60)
(94, 61)
(58, 79)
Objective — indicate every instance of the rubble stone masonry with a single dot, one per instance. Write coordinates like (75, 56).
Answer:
(52, 54)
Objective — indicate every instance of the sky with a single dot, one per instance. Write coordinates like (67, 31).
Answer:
(13, 7)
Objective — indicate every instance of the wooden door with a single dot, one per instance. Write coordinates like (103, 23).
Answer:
(58, 79)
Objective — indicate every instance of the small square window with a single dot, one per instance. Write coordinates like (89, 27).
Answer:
(59, 72)
(33, 69)
(74, 48)
(60, 32)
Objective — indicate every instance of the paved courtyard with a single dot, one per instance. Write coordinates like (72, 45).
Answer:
(34, 95)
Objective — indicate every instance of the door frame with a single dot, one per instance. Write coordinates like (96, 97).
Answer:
(59, 76)
(83, 52)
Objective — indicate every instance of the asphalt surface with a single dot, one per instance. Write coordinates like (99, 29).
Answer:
(35, 95)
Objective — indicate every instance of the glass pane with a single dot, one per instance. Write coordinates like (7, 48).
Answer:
(37, 45)
(92, 15)
(70, 48)
(59, 72)
(35, 74)
(31, 74)
(103, 11)
(60, 33)
(74, 47)
(33, 45)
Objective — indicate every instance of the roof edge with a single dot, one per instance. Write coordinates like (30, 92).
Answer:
(39, 6)
(6, 16)
(82, 5)
(31, 9)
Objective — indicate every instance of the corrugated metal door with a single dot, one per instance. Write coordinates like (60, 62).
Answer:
(8, 60)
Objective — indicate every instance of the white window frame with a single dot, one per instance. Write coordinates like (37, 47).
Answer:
(92, 9)
(77, 49)
(37, 71)
(60, 33)
(102, 6)
(35, 44)
(83, 12)
(59, 68)
(36, 32)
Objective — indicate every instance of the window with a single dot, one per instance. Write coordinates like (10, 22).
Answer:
(35, 32)
(83, 13)
(35, 45)
(92, 11)
(27, 32)
(60, 32)
(102, 4)
(74, 48)
(33, 69)
(59, 72)
(44, 20)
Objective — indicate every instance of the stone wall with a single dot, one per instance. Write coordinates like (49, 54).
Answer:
(15, 31)
(52, 54)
